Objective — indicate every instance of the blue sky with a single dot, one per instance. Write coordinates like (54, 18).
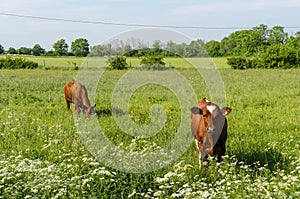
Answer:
(17, 32)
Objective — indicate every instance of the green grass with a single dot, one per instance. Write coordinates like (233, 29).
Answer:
(43, 156)
(71, 62)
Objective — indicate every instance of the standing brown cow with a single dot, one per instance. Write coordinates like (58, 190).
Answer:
(209, 128)
(77, 94)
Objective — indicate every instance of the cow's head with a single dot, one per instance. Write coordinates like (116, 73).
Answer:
(210, 114)
(91, 110)
(207, 124)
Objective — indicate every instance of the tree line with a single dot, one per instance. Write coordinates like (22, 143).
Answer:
(254, 42)
(79, 48)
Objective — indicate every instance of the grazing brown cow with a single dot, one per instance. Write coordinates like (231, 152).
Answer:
(209, 128)
(77, 94)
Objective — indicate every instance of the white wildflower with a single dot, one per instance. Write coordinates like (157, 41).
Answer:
(132, 194)
(158, 193)
(160, 180)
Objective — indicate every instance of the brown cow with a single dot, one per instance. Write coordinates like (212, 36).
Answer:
(77, 94)
(209, 128)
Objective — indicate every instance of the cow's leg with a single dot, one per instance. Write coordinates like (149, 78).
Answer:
(68, 104)
(88, 115)
(199, 149)
(202, 154)
(76, 108)
(210, 141)
(220, 151)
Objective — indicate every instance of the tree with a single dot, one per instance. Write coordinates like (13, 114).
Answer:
(197, 47)
(102, 50)
(277, 35)
(37, 50)
(80, 47)
(170, 46)
(24, 51)
(126, 49)
(12, 51)
(213, 48)
(226, 46)
(245, 42)
(156, 44)
(294, 40)
(60, 47)
(1, 49)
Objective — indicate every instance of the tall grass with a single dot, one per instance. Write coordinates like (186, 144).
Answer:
(43, 156)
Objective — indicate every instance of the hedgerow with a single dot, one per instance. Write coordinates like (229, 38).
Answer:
(276, 56)
(17, 63)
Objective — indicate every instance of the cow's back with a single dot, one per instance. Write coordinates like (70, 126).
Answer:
(80, 95)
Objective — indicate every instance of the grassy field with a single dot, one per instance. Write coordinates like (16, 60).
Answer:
(42, 154)
(65, 63)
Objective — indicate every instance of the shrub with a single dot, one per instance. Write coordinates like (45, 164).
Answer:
(152, 60)
(17, 63)
(117, 62)
(280, 56)
(154, 63)
(276, 56)
(239, 62)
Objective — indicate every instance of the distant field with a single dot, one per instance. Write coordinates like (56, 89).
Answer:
(71, 62)
(42, 155)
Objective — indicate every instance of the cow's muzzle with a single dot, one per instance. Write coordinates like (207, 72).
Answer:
(210, 129)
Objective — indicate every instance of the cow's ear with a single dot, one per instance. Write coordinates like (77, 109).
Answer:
(226, 110)
(196, 110)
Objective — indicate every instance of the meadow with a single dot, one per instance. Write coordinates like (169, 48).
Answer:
(43, 156)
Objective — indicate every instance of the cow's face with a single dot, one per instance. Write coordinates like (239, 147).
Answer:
(91, 110)
(209, 115)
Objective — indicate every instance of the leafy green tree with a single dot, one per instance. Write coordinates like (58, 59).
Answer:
(277, 35)
(12, 51)
(24, 51)
(37, 50)
(156, 44)
(262, 32)
(170, 46)
(226, 46)
(294, 40)
(213, 48)
(245, 42)
(1, 49)
(197, 47)
(126, 49)
(60, 47)
(80, 47)
(102, 50)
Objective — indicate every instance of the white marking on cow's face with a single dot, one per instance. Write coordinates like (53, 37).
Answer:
(207, 101)
(211, 108)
